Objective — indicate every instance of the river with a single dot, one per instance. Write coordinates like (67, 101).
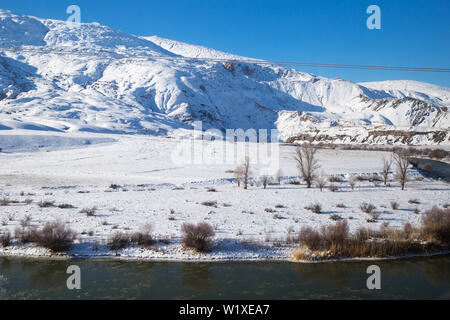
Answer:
(416, 278)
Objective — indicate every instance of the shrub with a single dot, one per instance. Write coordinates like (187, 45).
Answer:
(394, 205)
(414, 201)
(321, 181)
(65, 206)
(315, 207)
(335, 234)
(375, 179)
(210, 204)
(46, 204)
(334, 188)
(198, 236)
(144, 236)
(438, 154)
(310, 238)
(211, 190)
(436, 225)
(5, 239)
(335, 217)
(361, 235)
(269, 210)
(24, 235)
(119, 240)
(374, 216)
(89, 211)
(336, 179)
(5, 201)
(340, 205)
(114, 186)
(55, 236)
(367, 207)
(26, 221)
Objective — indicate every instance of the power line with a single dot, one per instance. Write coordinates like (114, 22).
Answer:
(136, 57)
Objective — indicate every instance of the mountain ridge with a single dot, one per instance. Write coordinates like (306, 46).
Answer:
(52, 76)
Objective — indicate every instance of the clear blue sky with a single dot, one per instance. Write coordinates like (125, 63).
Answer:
(414, 32)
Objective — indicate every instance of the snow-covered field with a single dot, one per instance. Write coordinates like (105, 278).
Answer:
(157, 190)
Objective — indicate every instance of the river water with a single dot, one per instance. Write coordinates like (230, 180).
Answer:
(416, 278)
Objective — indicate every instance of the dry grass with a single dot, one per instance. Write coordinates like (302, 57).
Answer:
(335, 241)
(301, 253)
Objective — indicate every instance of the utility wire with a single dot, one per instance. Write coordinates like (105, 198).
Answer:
(137, 57)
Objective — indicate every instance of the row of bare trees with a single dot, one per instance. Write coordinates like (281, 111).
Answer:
(308, 164)
(243, 172)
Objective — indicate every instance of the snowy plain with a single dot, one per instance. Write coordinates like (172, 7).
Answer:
(152, 188)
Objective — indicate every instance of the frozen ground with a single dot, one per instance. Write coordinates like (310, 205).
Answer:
(80, 170)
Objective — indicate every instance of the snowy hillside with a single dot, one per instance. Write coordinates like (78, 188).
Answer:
(97, 79)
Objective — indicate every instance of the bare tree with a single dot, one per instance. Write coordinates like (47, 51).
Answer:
(321, 181)
(401, 163)
(238, 175)
(243, 172)
(307, 163)
(387, 165)
(264, 180)
(278, 176)
(352, 182)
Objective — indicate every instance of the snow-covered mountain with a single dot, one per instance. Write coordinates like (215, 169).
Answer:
(94, 78)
